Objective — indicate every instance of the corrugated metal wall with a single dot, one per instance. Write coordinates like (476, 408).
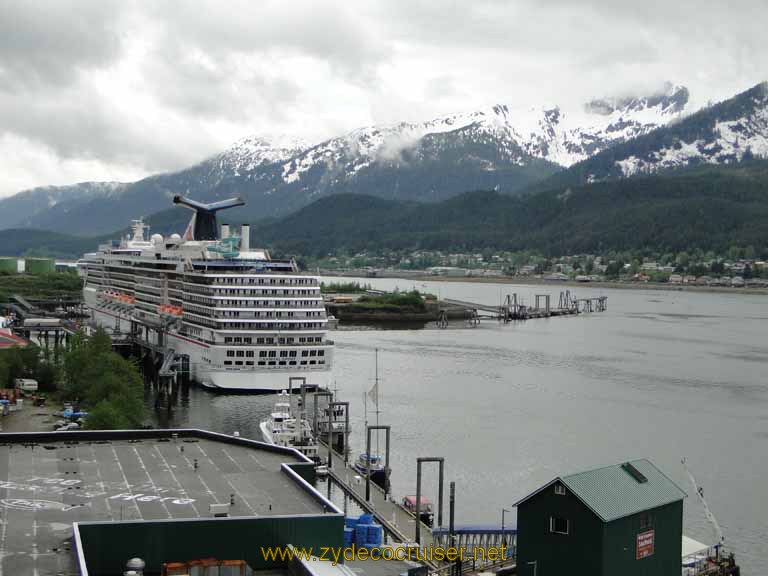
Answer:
(620, 540)
(579, 552)
(107, 546)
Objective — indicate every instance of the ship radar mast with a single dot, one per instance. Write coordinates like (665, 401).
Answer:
(203, 225)
(138, 227)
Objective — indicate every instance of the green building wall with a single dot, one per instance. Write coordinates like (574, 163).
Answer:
(107, 546)
(557, 554)
(620, 540)
(594, 547)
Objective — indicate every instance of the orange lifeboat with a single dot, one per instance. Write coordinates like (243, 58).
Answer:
(168, 310)
(117, 297)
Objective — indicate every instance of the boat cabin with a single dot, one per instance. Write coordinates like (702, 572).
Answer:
(409, 503)
(425, 510)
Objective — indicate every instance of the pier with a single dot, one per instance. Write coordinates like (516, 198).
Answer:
(401, 526)
(513, 308)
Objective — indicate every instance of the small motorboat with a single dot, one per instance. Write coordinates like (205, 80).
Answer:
(425, 510)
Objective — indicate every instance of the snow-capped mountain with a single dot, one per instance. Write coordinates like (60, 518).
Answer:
(550, 134)
(727, 132)
(253, 151)
(19, 209)
(724, 139)
(497, 148)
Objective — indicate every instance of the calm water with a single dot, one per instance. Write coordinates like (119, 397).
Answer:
(660, 375)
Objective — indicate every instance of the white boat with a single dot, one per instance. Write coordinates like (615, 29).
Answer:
(282, 428)
(277, 418)
(331, 420)
(232, 317)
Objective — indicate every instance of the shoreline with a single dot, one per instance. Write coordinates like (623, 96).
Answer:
(532, 281)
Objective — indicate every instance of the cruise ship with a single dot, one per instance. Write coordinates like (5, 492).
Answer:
(239, 320)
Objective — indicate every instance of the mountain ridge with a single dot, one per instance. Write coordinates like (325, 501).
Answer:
(727, 132)
(496, 148)
(702, 208)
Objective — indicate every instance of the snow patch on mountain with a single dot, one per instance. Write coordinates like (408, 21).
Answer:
(252, 152)
(731, 141)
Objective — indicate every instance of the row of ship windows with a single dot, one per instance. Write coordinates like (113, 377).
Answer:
(272, 362)
(267, 281)
(234, 279)
(253, 303)
(270, 314)
(253, 325)
(252, 291)
(265, 291)
(273, 353)
(291, 340)
(247, 315)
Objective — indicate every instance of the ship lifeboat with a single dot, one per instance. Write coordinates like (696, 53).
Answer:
(126, 299)
(170, 311)
(112, 297)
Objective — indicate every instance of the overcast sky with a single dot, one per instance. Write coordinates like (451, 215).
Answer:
(115, 90)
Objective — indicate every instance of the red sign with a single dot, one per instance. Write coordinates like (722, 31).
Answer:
(644, 545)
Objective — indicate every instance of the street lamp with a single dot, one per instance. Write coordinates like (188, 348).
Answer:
(503, 534)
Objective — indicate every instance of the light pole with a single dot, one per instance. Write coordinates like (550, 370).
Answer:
(503, 534)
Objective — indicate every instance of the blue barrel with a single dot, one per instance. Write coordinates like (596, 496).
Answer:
(350, 522)
(361, 534)
(375, 534)
(366, 519)
(349, 536)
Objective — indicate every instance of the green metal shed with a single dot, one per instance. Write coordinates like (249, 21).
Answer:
(39, 265)
(623, 519)
(8, 264)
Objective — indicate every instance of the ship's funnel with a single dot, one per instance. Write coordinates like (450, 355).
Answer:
(203, 225)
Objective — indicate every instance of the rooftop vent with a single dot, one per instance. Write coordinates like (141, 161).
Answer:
(634, 472)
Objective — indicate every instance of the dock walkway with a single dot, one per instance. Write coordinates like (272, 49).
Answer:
(400, 524)
(512, 308)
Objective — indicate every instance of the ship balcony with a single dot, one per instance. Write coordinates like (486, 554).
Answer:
(274, 345)
(318, 315)
(261, 365)
(254, 328)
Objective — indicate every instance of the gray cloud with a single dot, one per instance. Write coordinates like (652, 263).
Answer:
(46, 43)
(101, 89)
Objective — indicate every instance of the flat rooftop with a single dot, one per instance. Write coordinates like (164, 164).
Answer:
(51, 482)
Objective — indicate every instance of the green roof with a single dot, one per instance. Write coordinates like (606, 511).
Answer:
(612, 492)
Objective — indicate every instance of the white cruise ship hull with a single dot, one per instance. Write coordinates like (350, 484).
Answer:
(217, 379)
(257, 381)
